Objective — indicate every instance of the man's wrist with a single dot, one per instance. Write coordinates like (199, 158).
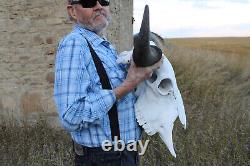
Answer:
(123, 89)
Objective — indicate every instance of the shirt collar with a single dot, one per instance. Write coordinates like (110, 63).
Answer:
(92, 37)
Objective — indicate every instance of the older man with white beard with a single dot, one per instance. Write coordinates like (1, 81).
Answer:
(93, 94)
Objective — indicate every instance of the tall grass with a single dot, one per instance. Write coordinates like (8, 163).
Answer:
(38, 144)
(216, 97)
(215, 86)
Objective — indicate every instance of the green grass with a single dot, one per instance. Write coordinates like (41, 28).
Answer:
(215, 86)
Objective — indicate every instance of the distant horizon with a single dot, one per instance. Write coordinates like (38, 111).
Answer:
(206, 37)
(194, 18)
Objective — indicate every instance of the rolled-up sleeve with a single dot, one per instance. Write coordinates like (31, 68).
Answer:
(77, 103)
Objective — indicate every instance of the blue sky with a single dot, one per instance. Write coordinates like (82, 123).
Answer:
(195, 18)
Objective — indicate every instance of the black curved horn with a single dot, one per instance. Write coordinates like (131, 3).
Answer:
(143, 54)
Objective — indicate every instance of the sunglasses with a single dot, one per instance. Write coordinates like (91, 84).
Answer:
(90, 3)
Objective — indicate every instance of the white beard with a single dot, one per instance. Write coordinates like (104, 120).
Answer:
(159, 102)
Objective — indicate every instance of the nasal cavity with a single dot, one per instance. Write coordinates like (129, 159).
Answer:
(164, 86)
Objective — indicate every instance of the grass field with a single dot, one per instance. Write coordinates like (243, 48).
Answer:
(213, 75)
(237, 45)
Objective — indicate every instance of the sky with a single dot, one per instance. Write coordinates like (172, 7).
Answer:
(195, 18)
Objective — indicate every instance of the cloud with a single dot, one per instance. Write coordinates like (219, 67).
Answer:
(167, 16)
(241, 30)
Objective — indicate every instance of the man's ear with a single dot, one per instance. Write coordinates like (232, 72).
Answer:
(71, 12)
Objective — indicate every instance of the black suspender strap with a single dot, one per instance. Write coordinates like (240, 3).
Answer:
(113, 116)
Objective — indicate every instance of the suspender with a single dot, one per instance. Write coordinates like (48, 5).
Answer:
(113, 116)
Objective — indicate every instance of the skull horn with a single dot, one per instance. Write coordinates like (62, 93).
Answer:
(145, 54)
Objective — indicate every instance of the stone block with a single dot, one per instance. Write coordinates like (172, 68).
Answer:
(49, 40)
(38, 40)
(9, 105)
(54, 21)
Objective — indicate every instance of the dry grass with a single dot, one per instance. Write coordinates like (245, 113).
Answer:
(214, 78)
(216, 89)
(239, 46)
(33, 145)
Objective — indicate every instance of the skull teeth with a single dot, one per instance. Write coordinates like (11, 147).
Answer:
(142, 122)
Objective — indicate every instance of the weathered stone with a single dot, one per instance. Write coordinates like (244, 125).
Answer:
(51, 65)
(3, 27)
(49, 40)
(50, 77)
(49, 106)
(9, 105)
(38, 40)
(51, 51)
(24, 58)
(30, 31)
(54, 21)
(1, 104)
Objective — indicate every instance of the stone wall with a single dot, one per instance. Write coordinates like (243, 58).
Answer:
(30, 31)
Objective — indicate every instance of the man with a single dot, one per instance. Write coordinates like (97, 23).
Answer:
(82, 103)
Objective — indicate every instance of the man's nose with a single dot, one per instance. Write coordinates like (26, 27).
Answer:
(97, 6)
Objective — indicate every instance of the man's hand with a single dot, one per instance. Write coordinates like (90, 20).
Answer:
(135, 76)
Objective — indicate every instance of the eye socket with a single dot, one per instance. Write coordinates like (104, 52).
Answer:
(153, 78)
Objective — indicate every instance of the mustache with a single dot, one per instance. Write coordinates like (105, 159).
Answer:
(98, 13)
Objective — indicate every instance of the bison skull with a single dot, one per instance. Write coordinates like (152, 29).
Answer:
(159, 102)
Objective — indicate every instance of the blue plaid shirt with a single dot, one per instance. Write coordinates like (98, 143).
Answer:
(81, 102)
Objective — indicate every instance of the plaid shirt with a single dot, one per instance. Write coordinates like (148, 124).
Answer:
(81, 102)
